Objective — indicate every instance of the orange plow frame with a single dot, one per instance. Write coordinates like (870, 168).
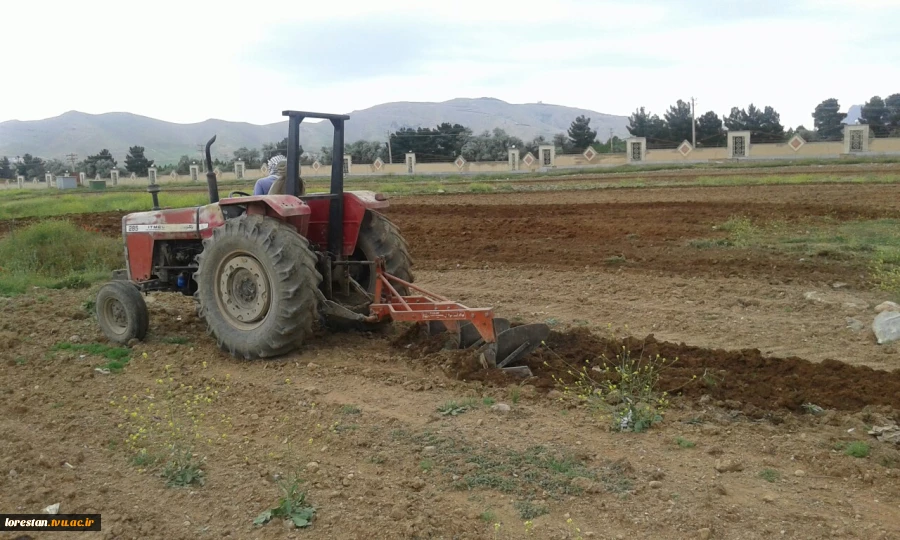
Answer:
(427, 306)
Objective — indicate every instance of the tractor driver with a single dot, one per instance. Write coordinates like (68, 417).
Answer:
(274, 184)
(263, 185)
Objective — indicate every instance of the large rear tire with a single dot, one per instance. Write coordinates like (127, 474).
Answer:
(256, 287)
(379, 237)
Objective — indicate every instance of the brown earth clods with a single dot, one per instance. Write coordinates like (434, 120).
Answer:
(745, 376)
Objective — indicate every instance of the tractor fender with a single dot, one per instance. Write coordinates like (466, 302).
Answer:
(282, 206)
(356, 203)
(369, 199)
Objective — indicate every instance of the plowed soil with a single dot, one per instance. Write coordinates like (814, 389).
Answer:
(405, 440)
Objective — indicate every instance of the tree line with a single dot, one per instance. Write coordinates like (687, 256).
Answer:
(446, 141)
(101, 163)
(764, 124)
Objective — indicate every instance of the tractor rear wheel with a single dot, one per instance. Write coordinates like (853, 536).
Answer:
(379, 237)
(256, 287)
(121, 312)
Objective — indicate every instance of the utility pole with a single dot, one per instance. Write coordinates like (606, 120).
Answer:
(200, 148)
(390, 154)
(72, 158)
(610, 140)
(693, 125)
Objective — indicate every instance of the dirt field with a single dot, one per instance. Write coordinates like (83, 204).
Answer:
(737, 455)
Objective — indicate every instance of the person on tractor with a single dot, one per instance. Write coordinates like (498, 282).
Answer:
(274, 184)
(264, 185)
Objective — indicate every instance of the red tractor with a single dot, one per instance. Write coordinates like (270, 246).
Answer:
(265, 269)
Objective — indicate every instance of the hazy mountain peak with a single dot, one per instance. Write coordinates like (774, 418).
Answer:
(165, 142)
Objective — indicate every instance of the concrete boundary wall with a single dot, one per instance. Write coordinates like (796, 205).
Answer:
(794, 149)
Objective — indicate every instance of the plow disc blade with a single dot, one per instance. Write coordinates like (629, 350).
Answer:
(469, 335)
(513, 344)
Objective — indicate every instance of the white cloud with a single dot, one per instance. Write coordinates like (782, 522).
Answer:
(188, 61)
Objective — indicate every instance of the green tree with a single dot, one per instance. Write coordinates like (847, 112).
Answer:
(892, 103)
(251, 157)
(764, 125)
(808, 135)
(678, 121)
(580, 134)
(827, 120)
(490, 146)
(184, 165)
(709, 130)
(533, 146)
(366, 151)
(91, 163)
(563, 144)
(136, 162)
(103, 167)
(30, 167)
(270, 150)
(611, 146)
(6, 171)
(875, 113)
(442, 143)
(56, 167)
(643, 124)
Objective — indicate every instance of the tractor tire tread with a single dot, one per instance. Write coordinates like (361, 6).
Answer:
(135, 306)
(291, 265)
(381, 236)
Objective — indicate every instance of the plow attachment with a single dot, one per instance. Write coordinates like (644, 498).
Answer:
(497, 344)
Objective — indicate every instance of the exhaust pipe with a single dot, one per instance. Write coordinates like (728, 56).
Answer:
(211, 181)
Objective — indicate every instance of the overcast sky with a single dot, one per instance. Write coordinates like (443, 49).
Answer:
(188, 60)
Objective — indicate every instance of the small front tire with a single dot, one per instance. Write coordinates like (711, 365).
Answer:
(122, 312)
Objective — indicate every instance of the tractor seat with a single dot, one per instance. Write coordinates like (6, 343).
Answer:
(279, 185)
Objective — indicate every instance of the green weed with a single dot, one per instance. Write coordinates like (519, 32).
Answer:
(769, 475)
(684, 443)
(528, 510)
(292, 505)
(857, 449)
(55, 254)
(118, 356)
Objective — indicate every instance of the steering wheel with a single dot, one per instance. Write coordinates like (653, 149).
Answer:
(241, 193)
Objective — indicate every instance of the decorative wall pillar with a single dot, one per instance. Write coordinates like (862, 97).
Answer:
(635, 149)
(514, 159)
(856, 139)
(547, 155)
(738, 144)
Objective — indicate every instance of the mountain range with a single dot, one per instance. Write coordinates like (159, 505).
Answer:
(85, 134)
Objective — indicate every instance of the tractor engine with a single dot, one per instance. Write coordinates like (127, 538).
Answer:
(175, 262)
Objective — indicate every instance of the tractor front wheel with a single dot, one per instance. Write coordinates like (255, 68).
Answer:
(256, 287)
(122, 312)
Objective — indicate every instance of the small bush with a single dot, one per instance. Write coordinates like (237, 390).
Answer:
(626, 388)
(684, 443)
(529, 510)
(292, 505)
(769, 475)
(857, 449)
